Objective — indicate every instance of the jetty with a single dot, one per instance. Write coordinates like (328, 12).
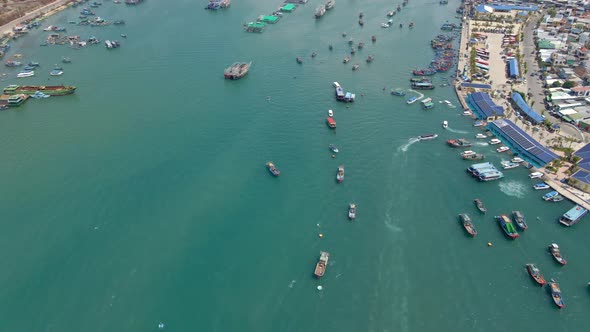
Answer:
(567, 192)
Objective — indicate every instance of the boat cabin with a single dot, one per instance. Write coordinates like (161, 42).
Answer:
(331, 122)
(572, 216)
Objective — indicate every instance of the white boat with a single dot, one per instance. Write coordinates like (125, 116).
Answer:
(25, 74)
(541, 186)
(385, 25)
(517, 160)
(481, 136)
(330, 113)
(426, 101)
(445, 124)
(494, 141)
(56, 72)
(478, 123)
(412, 100)
(336, 84)
(502, 149)
(447, 102)
(536, 175)
(509, 165)
(467, 113)
(427, 137)
(467, 153)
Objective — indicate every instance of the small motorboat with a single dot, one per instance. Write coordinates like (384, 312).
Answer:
(373, 39)
(272, 169)
(313, 55)
(66, 60)
(554, 251)
(536, 175)
(517, 160)
(502, 149)
(299, 60)
(350, 41)
(370, 58)
(330, 113)
(123, 35)
(481, 136)
(57, 71)
(427, 137)
(23, 74)
(445, 124)
(398, 93)
(519, 219)
(333, 148)
(340, 174)
(480, 206)
(351, 211)
(385, 25)
(541, 186)
(467, 153)
(494, 141)
(509, 165)
(355, 67)
(535, 273)
(346, 60)
(330, 47)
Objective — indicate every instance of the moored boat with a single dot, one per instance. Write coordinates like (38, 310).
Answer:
(346, 59)
(272, 169)
(427, 137)
(480, 206)
(351, 211)
(541, 186)
(330, 4)
(340, 174)
(572, 216)
(474, 156)
(467, 224)
(333, 148)
(373, 39)
(299, 60)
(23, 74)
(535, 175)
(519, 219)
(355, 67)
(481, 136)
(370, 58)
(57, 71)
(237, 70)
(509, 165)
(320, 267)
(459, 143)
(507, 226)
(517, 160)
(535, 273)
(556, 294)
(52, 90)
(549, 196)
(494, 141)
(445, 124)
(331, 122)
(320, 11)
(556, 253)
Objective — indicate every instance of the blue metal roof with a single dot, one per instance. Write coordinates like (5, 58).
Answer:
(476, 86)
(502, 7)
(535, 117)
(584, 153)
(582, 175)
(484, 105)
(513, 68)
(522, 139)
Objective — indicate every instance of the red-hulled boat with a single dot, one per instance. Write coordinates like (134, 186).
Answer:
(554, 250)
(331, 122)
(535, 273)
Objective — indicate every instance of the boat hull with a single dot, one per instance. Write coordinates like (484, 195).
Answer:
(48, 90)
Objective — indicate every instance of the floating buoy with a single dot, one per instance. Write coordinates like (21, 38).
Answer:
(489, 244)
(161, 325)
(333, 156)
(321, 235)
(320, 287)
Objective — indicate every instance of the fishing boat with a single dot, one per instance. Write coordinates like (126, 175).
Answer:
(330, 113)
(509, 165)
(272, 169)
(351, 211)
(299, 60)
(507, 226)
(502, 149)
(320, 11)
(412, 100)
(390, 13)
(373, 39)
(480, 136)
(535, 273)
(355, 67)
(541, 186)
(66, 60)
(556, 294)
(549, 196)
(333, 148)
(445, 124)
(320, 267)
(237, 70)
(536, 175)
(519, 219)
(340, 174)
(58, 71)
(370, 58)
(361, 45)
(459, 143)
(467, 224)
(427, 137)
(361, 22)
(23, 74)
(554, 251)
(346, 59)
(55, 90)
(331, 122)
(572, 216)
(314, 54)
(475, 156)
(398, 93)
(494, 141)
(330, 4)
(480, 206)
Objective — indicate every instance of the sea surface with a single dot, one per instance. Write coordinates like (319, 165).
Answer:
(141, 202)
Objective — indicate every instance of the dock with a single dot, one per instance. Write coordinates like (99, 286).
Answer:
(567, 192)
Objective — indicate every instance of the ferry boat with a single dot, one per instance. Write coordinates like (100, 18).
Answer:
(536, 175)
(517, 160)
(331, 122)
(23, 74)
(494, 141)
(340, 174)
(237, 70)
(467, 224)
(475, 156)
(427, 137)
(572, 216)
(519, 219)
(330, 113)
(17, 100)
(330, 4)
(422, 85)
(320, 11)
(554, 251)
(333, 148)
(52, 90)
(459, 143)
(480, 206)
(490, 175)
(535, 273)
(272, 169)
(502, 149)
(320, 267)
(351, 211)
(509, 165)
(549, 196)
(507, 226)
(445, 125)
(412, 100)
(480, 136)
(541, 186)
(556, 294)
(398, 93)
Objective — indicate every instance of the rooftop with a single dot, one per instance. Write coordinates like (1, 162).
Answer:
(484, 104)
(524, 107)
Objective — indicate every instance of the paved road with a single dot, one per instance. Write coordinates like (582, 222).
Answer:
(30, 15)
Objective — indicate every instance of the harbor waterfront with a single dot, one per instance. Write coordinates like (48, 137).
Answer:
(142, 202)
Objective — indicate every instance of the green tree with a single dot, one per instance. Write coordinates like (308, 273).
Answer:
(568, 84)
(556, 84)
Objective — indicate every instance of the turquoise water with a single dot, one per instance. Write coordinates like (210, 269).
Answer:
(143, 198)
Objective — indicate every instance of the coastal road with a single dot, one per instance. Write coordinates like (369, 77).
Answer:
(30, 15)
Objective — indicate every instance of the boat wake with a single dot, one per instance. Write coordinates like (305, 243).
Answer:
(481, 144)
(457, 131)
(420, 95)
(405, 147)
(513, 188)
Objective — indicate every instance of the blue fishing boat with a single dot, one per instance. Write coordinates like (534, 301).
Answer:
(556, 294)
(541, 186)
(519, 219)
(572, 216)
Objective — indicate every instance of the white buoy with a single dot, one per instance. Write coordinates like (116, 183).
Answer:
(161, 325)
(320, 287)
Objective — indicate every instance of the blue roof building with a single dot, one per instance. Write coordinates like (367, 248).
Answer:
(581, 178)
(521, 143)
(476, 86)
(522, 106)
(513, 71)
(488, 8)
(483, 107)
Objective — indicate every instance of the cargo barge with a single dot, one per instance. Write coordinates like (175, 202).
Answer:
(52, 90)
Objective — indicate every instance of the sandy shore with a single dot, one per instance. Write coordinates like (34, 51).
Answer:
(41, 12)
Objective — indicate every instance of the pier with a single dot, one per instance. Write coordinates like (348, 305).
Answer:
(567, 192)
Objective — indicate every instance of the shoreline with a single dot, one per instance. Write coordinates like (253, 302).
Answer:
(51, 9)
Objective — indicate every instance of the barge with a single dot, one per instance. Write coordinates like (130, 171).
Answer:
(52, 90)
